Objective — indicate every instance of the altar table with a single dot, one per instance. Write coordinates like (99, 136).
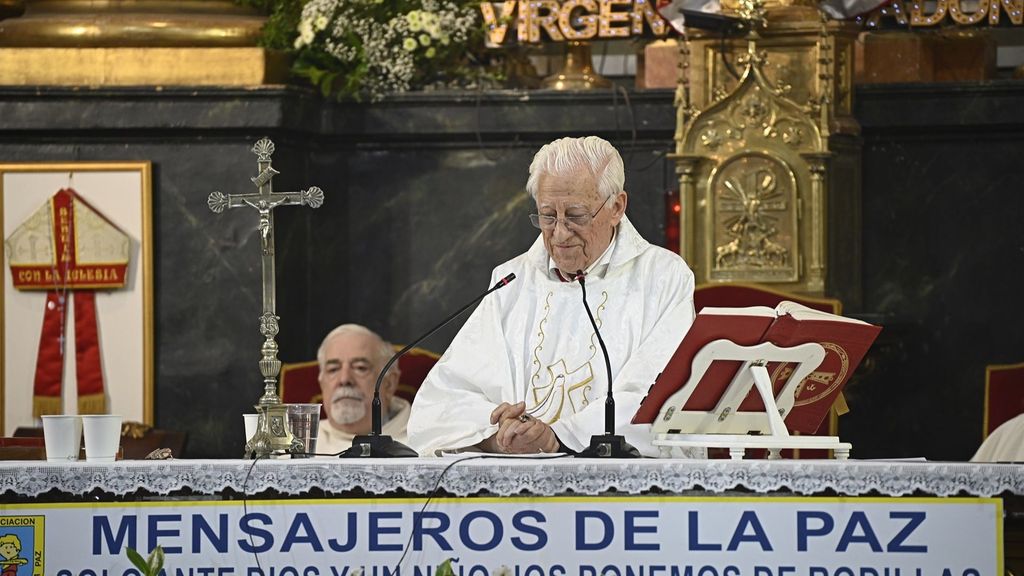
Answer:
(515, 517)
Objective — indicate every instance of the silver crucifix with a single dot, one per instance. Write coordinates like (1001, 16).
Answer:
(272, 433)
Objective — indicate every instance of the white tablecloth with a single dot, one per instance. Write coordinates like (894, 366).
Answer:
(514, 476)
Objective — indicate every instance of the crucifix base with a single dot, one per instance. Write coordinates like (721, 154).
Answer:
(273, 435)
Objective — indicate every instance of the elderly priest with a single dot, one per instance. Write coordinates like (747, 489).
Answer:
(526, 374)
(351, 358)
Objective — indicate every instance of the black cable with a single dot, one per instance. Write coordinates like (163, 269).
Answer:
(437, 486)
(479, 134)
(604, 56)
(725, 61)
(245, 511)
(659, 155)
(632, 119)
(632, 125)
(615, 108)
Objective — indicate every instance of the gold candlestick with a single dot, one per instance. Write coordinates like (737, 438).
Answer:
(577, 71)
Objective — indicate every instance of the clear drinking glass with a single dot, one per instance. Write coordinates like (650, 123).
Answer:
(304, 422)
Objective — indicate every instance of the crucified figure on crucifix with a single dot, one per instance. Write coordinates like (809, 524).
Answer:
(264, 208)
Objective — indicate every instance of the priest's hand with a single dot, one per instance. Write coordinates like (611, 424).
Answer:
(528, 436)
(506, 411)
(504, 415)
(518, 432)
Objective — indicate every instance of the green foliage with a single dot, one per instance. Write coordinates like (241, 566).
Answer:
(368, 48)
(445, 568)
(147, 566)
(282, 21)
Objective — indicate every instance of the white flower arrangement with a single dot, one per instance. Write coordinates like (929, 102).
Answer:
(372, 47)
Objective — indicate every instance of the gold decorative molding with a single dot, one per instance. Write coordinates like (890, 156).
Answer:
(805, 64)
(136, 42)
(132, 23)
(755, 118)
(773, 12)
(736, 6)
(749, 196)
(141, 66)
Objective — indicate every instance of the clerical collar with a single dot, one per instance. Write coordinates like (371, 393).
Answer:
(597, 269)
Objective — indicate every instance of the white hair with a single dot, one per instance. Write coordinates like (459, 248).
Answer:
(565, 156)
(383, 349)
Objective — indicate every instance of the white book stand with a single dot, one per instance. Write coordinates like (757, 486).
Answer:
(726, 426)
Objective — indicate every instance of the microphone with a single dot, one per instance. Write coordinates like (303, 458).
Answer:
(609, 444)
(376, 445)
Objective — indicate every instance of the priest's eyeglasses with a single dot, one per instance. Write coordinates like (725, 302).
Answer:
(545, 222)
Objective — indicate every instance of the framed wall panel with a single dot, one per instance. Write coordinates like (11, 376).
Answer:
(122, 193)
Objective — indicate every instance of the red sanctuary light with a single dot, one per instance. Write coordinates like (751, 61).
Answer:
(672, 210)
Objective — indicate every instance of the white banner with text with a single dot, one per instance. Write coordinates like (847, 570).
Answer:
(515, 536)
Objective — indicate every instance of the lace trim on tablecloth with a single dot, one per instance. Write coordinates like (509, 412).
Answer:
(514, 476)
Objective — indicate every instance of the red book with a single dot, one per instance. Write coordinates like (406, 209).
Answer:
(789, 324)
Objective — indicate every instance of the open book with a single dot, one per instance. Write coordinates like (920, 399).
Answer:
(789, 324)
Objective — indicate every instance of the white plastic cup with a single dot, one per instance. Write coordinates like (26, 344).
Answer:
(102, 437)
(304, 423)
(62, 436)
(251, 422)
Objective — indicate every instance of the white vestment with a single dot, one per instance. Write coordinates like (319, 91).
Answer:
(1004, 444)
(330, 440)
(532, 341)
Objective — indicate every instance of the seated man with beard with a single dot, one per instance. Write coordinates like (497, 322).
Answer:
(351, 357)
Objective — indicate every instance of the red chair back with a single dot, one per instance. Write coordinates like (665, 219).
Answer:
(737, 294)
(1004, 395)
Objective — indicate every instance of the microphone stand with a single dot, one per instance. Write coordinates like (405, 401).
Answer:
(377, 445)
(609, 444)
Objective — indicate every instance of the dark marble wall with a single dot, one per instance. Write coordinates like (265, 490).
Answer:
(943, 261)
(424, 195)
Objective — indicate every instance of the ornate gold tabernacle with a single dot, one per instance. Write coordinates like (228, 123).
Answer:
(767, 153)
